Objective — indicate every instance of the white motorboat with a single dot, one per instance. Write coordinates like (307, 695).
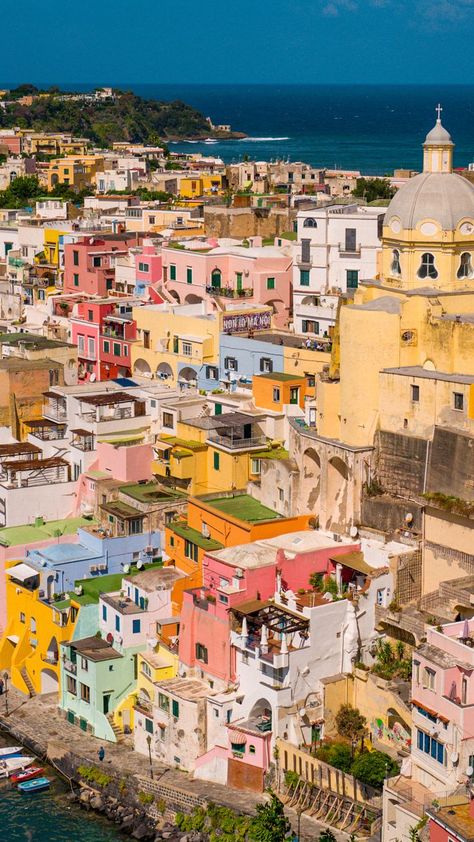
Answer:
(14, 764)
(10, 751)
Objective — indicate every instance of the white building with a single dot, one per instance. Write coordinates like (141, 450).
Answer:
(337, 247)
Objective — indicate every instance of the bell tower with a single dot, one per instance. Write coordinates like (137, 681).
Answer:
(438, 148)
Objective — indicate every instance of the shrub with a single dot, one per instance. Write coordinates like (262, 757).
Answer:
(291, 779)
(93, 775)
(145, 797)
(372, 767)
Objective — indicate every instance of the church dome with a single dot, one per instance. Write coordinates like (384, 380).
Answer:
(444, 197)
(438, 135)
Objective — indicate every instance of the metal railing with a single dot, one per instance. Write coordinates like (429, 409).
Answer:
(237, 443)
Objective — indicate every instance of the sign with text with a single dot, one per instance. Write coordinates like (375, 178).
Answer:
(243, 322)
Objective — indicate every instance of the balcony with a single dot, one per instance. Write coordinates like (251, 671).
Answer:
(87, 354)
(228, 292)
(234, 443)
(55, 412)
(348, 250)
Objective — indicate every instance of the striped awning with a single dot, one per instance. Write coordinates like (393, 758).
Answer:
(237, 738)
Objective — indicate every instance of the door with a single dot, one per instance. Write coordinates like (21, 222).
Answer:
(106, 703)
(350, 239)
(247, 431)
(239, 282)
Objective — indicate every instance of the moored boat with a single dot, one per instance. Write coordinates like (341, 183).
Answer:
(27, 775)
(10, 751)
(34, 786)
(14, 764)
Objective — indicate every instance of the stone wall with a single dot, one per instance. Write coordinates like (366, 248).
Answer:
(387, 514)
(451, 464)
(247, 222)
(400, 463)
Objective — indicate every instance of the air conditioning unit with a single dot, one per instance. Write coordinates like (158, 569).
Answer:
(148, 550)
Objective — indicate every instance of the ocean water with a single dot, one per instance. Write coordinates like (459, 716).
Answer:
(49, 816)
(374, 128)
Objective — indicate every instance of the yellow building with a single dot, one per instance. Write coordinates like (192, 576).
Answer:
(75, 171)
(36, 627)
(202, 185)
(173, 344)
(51, 245)
(153, 666)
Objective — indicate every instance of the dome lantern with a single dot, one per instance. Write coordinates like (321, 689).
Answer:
(438, 148)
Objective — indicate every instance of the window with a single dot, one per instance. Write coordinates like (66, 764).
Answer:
(85, 693)
(212, 372)
(465, 266)
(427, 266)
(104, 612)
(75, 280)
(91, 347)
(191, 550)
(189, 275)
(431, 746)
(187, 349)
(216, 461)
(395, 265)
(238, 280)
(71, 685)
(295, 395)
(117, 349)
(281, 495)
(162, 732)
(350, 239)
(146, 338)
(310, 222)
(143, 267)
(149, 725)
(217, 409)
(201, 653)
(429, 678)
(75, 258)
(22, 617)
(216, 713)
(90, 315)
(172, 271)
(136, 626)
(135, 526)
(106, 346)
(458, 401)
(352, 278)
(96, 261)
(125, 350)
(175, 708)
(108, 283)
(117, 622)
(256, 466)
(238, 748)
(270, 283)
(464, 686)
(251, 749)
(231, 364)
(163, 702)
(416, 671)
(33, 625)
(223, 598)
(151, 220)
(304, 277)
(309, 326)
(167, 419)
(415, 393)
(266, 365)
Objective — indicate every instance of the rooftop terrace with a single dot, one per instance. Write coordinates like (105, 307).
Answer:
(242, 507)
(12, 536)
(150, 492)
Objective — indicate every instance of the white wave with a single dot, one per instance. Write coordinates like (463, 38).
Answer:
(260, 139)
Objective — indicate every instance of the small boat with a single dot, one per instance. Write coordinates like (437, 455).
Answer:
(27, 775)
(10, 751)
(37, 785)
(14, 764)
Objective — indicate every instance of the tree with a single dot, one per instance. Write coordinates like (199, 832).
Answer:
(373, 188)
(350, 724)
(327, 836)
(270, 824)
(372, 767)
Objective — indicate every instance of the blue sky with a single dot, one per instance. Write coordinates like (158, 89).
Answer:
(183, 41)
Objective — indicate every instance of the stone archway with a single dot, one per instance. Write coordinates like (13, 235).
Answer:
(336, 492)
(187, 376)
(164, 372)
(311, 479)
(141, 368)
(193, 299)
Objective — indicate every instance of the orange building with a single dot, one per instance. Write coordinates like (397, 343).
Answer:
(276, 390)
(217, 521)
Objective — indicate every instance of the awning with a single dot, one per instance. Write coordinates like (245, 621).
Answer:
(354, 560)
(21, 572)
(237, 738)
(13, 638)
(161, 445)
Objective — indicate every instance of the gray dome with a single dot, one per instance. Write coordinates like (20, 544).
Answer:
(438, 135)
(446, 198)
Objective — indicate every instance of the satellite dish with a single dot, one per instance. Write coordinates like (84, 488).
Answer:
(110, 638)
(126, 568)
(139, 565)
(353, 532)
(470, 771)
(93, 377)
(78, 590)
(454, 757)
(408, 517)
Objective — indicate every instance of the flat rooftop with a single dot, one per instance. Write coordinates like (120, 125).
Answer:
(190, 689)
(34, 342)
(12, 536)
(150, 492)
(426, 374)
(95, 649)
(242, 507)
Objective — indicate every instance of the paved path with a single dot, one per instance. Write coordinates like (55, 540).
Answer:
(39, 720)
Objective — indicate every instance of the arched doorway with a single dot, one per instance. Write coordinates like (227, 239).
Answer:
(337, 477)
(311, 479)
(142, 368)
(187, 377)
(175, 295)
(49, 681)
(164, 372)
(216, 279)
(52, 652)
(193, 299)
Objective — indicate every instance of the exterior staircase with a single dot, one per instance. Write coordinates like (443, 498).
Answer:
(26, 678)
(119, 735)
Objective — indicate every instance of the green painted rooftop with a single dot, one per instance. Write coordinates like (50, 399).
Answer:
(189, 443)
(184, 531)
(280, 376)
(243, 507)
(272, 453)
(92, 588)
(11, 536)
(150, 492)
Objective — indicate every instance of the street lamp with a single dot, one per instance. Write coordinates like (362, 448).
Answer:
(5, 679)
(148, 739)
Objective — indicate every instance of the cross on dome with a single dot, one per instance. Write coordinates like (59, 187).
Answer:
(438, 110)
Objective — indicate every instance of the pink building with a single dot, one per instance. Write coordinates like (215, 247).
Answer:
(443, 706)
(239, 574)
(89, 264)
(258, 275)
(103, 332)
(148, 266)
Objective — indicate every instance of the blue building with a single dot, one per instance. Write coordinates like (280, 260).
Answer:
(241, 357)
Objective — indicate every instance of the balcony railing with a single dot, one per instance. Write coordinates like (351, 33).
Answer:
(345, 249)
(237, 443)
(54, 412)
(228, 292)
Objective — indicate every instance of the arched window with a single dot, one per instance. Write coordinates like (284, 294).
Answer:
(310, 223)
(251, 749)
(216, 279)
(427, 266)
(465, 266)
(395, 267)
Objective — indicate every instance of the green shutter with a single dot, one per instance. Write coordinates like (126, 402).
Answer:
(216, 461)
(304, 277)
(189, 275)
(270, 283)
